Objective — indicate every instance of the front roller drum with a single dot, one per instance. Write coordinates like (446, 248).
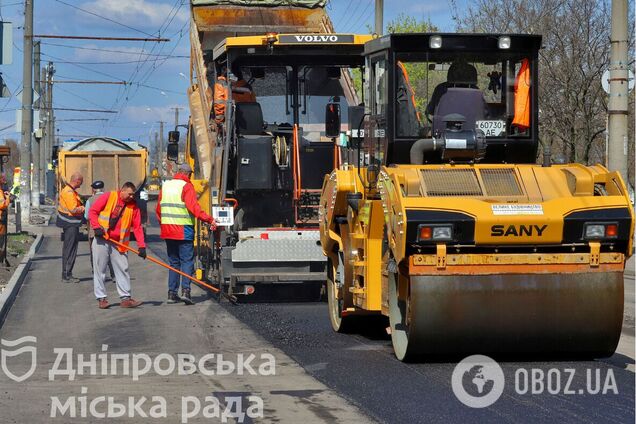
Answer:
(571, 315)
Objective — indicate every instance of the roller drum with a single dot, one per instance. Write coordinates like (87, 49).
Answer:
(575, 315)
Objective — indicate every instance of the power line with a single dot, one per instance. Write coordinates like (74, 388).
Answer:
(80, 97)
(84, 110)
(103, 17)
(344, 14)
(125, 95)
(91, 37)
(90, 82)
(97, 49)
(127, 62)
(355, 24)
(353, 13)
(81, 119)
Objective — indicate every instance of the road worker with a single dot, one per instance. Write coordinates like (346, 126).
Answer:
(113, 216)
(242, 91)
(221, 95)
(70, 215)
(5, 200)
(97, 188)
(177, 209)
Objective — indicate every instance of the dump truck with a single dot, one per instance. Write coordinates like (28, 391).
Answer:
(442, 220)
(102, 158)
(259, 159)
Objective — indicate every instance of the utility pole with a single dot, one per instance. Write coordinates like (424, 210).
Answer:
(176, 116)
(157, 152)
(35, 141)
(379, 16)
(619, 86)
(50, 122)
(44, 111)
(161, 143)
(176, 124)
(27, 114)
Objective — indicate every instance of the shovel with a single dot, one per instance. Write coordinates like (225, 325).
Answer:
(231, 298)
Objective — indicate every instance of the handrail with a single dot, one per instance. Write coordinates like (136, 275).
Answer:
(297, 167)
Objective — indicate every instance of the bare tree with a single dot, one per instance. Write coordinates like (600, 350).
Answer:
(575, 53)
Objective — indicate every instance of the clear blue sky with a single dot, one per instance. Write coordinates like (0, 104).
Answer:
(153, 68)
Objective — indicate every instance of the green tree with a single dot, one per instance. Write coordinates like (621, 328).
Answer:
(404, 23)
(574, 54)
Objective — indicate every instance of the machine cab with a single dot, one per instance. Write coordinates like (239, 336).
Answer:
(418, 85)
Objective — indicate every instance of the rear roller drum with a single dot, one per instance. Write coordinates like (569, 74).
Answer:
(337, 297)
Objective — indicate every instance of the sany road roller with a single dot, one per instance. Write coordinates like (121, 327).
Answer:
(439, 217)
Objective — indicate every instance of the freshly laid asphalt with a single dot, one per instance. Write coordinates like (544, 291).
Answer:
(320, 376)
(363, 369)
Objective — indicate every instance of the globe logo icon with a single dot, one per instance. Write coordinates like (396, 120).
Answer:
(478, 381)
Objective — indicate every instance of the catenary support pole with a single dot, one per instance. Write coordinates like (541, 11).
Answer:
(27, 113)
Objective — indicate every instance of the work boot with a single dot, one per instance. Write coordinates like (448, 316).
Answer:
(173, 298)
(129, 302)
(185, 296)
(103, 303)
(70, 279)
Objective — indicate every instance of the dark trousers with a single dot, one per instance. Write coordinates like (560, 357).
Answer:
(69, 250)
(181, 257)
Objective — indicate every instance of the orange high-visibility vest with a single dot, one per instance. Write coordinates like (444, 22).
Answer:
(125, 220)
(522, 97)
(68, 201)
(221, 94)
(410, 90)
(243, 97)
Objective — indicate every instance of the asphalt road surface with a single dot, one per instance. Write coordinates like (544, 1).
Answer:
(362, 369)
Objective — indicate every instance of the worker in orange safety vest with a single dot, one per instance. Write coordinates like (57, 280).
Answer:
(70, 215)
(112, 217)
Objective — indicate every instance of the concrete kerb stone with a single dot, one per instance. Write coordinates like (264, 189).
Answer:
(14, 284)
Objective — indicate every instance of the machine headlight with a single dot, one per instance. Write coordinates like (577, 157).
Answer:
(438, 232)
(435, 42)
(594, 231)
(504, 42)
(443, 233)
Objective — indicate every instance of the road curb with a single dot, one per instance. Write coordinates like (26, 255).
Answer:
(14, 284)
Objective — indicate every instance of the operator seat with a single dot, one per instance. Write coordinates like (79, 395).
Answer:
(468, 102)
(249, 119)
(459, 94)
(254, 163)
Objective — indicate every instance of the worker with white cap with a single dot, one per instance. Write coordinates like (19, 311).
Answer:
(177, 209)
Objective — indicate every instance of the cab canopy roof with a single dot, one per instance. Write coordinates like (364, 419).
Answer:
(261, 3)
(421, 42)
(273, 43)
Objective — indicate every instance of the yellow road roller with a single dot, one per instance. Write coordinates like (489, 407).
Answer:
(443, 217)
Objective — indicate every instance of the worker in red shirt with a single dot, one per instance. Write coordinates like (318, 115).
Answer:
(112, 217)
(177, 210)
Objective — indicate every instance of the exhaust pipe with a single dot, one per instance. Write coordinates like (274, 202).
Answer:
(420, 147)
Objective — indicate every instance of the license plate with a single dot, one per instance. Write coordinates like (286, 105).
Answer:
(492, 128)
